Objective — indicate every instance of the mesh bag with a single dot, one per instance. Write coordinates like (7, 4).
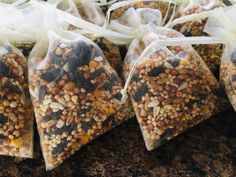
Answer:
(75, 93)
(193, 26)
(222, 24)
(110, 50)
(171, 88)
(166, 7)
(16, 115)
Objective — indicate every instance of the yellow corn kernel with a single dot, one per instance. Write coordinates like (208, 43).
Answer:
(110, 111)
(17, 143)
(103, 110)
(185, 117)
(97, 103)
(84, 139)
(184, 62)
(97, 93)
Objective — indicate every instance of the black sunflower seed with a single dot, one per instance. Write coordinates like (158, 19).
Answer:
(57, 131)
(135, 78)
(4, 69)
(11, 88)
(87, 125)
(77, 77)
(108, 122)
(89, 85)
(80, 82)
(54, 115)
(191, 103)
(72, 126)
(73, 63)
(42, 92)
(2, 138)
(156, 71)
(113, 78)
(107, 86)
(52, 75)
(187, 33)
(83, 111)
(118, 96)
(60, 147)
(174, 63)
(3, 119)
(83, 52)
(140, 93)
(97, 73)
(56, 59)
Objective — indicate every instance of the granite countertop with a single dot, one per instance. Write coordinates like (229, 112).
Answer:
(208, 149)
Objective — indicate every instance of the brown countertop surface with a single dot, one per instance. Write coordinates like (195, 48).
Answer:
(208, 149)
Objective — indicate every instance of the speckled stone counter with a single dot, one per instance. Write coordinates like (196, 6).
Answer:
(208, 149)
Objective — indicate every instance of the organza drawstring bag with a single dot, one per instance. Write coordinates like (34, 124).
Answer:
(166, 7)
(169, 85)
(88, 10)
(110, 50)
(74, 90)
(16, 112)
(222, 24)
(99, 35)
(189, 24)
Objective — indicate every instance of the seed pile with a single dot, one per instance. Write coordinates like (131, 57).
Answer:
(16, 116)
(211, 54)
(111, 52)
(76, 97)
(228, 76)
(170, 94)
(161, 5)
(90, 14)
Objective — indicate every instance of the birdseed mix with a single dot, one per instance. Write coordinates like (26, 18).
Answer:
(75, 94)
(111, 52)
(211, 54)
(16, 115)
(171, 90)
(90, 11)
(161, 5)
(228, 76)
